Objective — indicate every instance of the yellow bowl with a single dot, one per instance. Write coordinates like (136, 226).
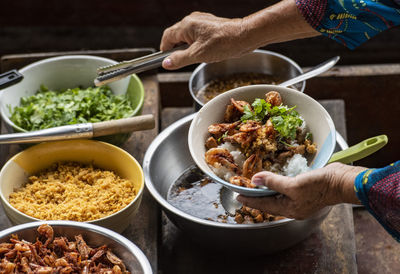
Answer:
(16, 171)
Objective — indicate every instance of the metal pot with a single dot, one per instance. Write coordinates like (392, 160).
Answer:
(165, 160)
(259, 61)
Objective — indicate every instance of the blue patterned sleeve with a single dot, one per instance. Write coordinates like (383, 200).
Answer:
(379, 191)
(350, 22)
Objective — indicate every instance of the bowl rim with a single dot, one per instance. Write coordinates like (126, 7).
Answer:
(7, 119)
(268, 52)
(138, 253)
(330, 142)
(166, 205)
(4, 200)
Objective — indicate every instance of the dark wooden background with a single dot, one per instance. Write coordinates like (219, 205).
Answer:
(28, 26)
(53, 25)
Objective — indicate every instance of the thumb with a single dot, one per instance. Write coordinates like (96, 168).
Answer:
(273, 181)
(178, 59)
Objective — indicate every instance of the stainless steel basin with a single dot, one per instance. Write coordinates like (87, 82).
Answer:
(166, 159)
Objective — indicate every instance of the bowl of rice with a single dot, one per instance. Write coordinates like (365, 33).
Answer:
(77, 180)
(231, 159)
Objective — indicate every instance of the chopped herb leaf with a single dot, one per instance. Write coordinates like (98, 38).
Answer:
(222, 137)
(287, 124)
(248, 114)
(49, 108)
(285, 120)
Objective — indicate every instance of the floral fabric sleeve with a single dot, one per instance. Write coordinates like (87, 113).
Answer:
(379, 191)
(350, 22)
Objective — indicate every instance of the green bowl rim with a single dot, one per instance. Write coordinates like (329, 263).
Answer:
(136, 110)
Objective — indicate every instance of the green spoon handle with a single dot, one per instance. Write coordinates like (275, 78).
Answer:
(360, 150)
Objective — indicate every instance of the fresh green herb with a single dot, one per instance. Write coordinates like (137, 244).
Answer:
(285, 120)
(222, 137)
(287, 124)
(49, 108)
(285, 143)
(248, 114)
(309, 136)
(260, 108)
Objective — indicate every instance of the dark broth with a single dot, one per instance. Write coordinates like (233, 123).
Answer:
(196, 194)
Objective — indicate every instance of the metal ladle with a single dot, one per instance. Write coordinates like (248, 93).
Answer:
(312, 72)
(347, 156)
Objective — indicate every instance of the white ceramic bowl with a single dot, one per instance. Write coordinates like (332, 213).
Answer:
(61, 73)
(318, 121)
(103, 155)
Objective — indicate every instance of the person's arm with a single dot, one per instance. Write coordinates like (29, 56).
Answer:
(213, 39)
(379, 191)
(349, 22)
(305, 194)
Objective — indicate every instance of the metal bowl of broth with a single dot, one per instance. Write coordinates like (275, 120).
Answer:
(258, 67)
(167, 165)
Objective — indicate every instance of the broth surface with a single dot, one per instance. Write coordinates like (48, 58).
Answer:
(196, 194)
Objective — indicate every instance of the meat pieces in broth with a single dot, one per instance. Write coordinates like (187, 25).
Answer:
(264, 135)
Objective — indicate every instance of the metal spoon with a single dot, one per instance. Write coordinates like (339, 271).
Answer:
(81, 131)
(347, 156)
(312, 72)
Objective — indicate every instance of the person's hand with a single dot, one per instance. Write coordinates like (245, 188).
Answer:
(305, 194)
(211, 39)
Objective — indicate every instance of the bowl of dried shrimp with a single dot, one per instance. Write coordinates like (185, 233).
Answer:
(261, 127)
(68, 247)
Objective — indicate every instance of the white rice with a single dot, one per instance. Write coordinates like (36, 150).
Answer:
(228, 146)
(303, 125)
(295, 165)
(238, 156)
(223, 172)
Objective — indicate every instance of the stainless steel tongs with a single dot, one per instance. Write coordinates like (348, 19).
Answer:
(123, 69)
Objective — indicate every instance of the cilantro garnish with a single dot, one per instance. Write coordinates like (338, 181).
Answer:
(222, 137)
(287, 125)
(285, 120)
(49, 108)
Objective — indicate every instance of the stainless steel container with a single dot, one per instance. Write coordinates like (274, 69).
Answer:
(130, 254)
(259, 61)
(166, 159)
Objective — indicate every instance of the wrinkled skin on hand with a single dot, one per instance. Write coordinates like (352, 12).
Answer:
(214, 39)
(211, 39)
(305, 194)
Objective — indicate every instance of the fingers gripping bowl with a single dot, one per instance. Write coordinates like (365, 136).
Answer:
(318, 122)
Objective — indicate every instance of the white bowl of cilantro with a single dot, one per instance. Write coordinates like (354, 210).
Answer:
(59, 91)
